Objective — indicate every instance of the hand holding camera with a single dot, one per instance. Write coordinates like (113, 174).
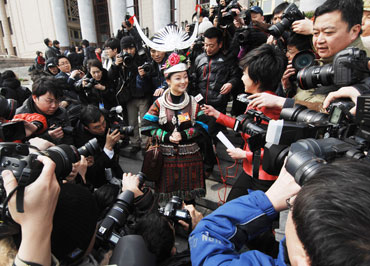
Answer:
(56, 133)
(283, 188)
(40, 199)
(345, 92)
(77, 73)
(141, 72)
(289, 71)
(303, 26)
(119, 60)
(112, 138)
(131, 182)
(195, 217)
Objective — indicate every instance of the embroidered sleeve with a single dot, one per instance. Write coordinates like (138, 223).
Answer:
(150, 123)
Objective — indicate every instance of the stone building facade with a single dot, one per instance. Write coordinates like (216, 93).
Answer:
(25, 24)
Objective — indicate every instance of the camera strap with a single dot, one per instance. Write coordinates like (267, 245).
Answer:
(22, 183)
(256, 160)
(20, 199)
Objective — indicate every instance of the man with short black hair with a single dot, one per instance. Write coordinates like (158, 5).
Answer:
(214, 76)
(278, 12)
(112, 48)
(89, 51)
(92, 124)
(327, 223)
(50, 51)
(337, 26)
(136, 98)
(46, 94)
(56, 47)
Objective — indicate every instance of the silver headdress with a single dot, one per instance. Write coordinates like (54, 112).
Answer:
(169, 38)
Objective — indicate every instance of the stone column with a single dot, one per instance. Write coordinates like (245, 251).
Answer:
(118, 9)
(60, 22)
(2, 45)
(161, 14)
(87, 21)
(7, 35)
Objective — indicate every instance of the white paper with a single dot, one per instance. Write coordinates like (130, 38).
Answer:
(221, 136)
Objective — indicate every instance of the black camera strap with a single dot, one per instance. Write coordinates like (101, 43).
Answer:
(22, 183)
(20, 199)
(256, 160)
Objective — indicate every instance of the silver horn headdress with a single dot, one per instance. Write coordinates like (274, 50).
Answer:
(169, 38)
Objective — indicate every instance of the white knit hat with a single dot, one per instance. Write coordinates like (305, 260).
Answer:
(205, 25)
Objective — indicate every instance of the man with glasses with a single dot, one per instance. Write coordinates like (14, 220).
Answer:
(69, 76)
(45, 99)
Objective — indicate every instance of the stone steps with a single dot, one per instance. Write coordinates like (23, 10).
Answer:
(133, 162)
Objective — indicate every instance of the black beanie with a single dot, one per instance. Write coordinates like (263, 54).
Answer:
(127, 42)
(74, 221)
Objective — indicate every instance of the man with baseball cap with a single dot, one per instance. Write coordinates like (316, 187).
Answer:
(257, 14)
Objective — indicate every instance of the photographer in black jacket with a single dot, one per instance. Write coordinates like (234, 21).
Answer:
(95, 87)
(127, 68)
(92, 124)
(214, 76)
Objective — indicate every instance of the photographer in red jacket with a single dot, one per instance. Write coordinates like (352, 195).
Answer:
(21, 126)
(263, 68)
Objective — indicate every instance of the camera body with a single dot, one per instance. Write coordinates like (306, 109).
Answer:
(116, 121)
(127, 58)
(250, 123)
(290, 14)
(173, 210)
(339, 73)
(11, 131)
(67, 129)
(228, 18)
(90, 83)
(148, 68)
(302, 123)
(26, 168)
(307, 156)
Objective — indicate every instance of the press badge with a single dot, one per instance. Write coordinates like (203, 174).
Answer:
(182, 118)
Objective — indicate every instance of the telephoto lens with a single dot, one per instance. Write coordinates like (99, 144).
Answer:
(117, 215)
(90, 148)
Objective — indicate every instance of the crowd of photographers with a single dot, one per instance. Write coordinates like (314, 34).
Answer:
(298, 90)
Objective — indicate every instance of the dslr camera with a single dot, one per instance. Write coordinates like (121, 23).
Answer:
(173, 210)
(306, 156)
(302, 123)
(127, 58)
(228, 18)
(342, 72)
(123, 130)
(290, 14)
(66, 128)
(250, 123)
(90, 83)
(18, 158)
(148, 68)
(111, 229)
(115, 118)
